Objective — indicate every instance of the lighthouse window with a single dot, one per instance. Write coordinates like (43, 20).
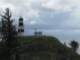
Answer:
(18, 30)
(21, 30)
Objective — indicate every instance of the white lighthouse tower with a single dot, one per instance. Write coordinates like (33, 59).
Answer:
(20, 27)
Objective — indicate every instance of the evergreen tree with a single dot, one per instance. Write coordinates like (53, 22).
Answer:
(74, 45)
(9, 33)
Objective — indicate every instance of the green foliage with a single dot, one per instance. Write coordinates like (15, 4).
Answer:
(43, 39)
(74, 45)
(51, 44)
(9, 32)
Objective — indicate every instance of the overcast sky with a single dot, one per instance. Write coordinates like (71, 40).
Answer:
(60, 18)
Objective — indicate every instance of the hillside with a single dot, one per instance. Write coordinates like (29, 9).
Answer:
(43, 39)
(49, 44)
(40, 48)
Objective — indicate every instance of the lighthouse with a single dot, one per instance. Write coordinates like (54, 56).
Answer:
(20, 26)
